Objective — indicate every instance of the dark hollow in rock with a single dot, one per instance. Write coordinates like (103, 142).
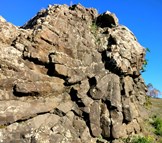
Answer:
(107, 19)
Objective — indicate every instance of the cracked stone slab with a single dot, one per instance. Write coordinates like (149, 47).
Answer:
(12, 111)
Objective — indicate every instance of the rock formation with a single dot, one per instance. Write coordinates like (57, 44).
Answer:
(69, 75)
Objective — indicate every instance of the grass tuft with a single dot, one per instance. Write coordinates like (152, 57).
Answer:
(157, 123)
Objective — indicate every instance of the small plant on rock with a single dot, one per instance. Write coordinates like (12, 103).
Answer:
(94, 27)
(145, 63)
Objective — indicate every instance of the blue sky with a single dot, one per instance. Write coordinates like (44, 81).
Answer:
(142, 17)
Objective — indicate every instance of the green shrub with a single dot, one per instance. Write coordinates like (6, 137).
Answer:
(160, 141)
(145, 63)
(139, 139)
(142, 140)
(94, 27)
(157, 123)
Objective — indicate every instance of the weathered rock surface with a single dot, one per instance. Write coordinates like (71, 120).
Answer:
(69, 75)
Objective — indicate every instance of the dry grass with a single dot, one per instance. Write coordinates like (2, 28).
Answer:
(156, 107)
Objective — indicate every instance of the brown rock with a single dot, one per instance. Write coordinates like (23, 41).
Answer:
(105, 122)
(65, 106)
(119, 131)
(64, 78)
(128, 85)
(8, 32)
(94, 118)
(12, 111)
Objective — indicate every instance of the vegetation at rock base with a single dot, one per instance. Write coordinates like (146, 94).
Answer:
(139, 139)
(152, 126)
(157, 123)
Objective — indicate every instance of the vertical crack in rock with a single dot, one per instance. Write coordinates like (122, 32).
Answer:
(50, 66)
(111, 41)
(109, 63)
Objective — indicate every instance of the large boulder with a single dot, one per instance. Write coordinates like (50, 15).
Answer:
(69, 75)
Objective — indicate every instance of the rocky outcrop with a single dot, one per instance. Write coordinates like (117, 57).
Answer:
(69, 75)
